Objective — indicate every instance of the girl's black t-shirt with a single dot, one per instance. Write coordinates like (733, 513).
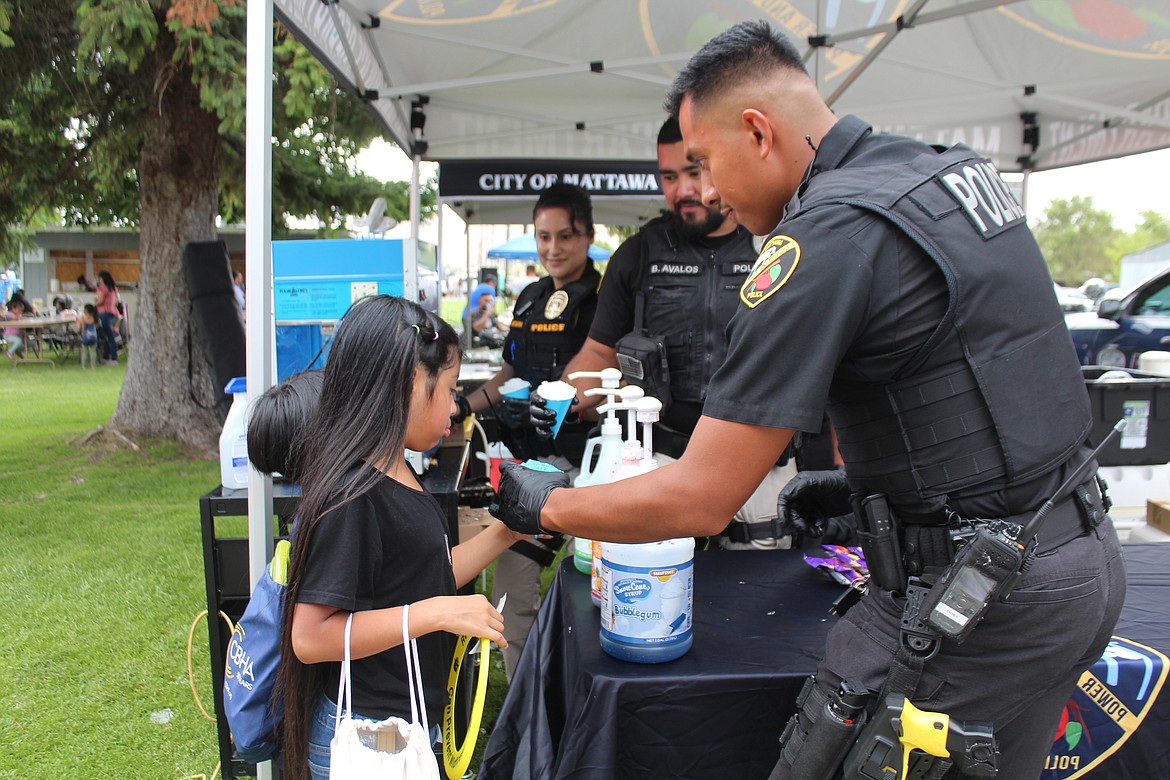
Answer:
(387, 548)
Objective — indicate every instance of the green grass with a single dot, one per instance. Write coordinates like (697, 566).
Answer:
(101, 577)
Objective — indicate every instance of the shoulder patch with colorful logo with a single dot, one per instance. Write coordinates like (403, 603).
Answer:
(1111, 700)
(773, 267)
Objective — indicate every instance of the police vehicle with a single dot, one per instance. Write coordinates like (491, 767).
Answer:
(1126, 324)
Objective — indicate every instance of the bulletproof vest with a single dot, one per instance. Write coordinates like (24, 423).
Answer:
(995, 395)
(543, 336)
(690, 292)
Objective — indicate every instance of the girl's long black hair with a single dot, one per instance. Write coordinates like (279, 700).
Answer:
(362, 415)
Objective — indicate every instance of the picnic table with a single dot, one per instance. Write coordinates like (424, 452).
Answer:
(34, 340)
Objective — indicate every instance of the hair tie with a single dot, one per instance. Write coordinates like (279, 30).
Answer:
(436, 336)
(417, 329)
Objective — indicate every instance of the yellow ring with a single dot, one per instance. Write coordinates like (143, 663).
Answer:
(456, 759)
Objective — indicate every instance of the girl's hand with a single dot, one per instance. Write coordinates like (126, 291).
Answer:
(462, 615)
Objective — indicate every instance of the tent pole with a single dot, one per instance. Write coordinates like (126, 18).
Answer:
(415, 204)
(258, 272)
(467, 237)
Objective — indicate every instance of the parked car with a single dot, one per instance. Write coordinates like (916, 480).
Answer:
(1126, 324)
(1071, 299)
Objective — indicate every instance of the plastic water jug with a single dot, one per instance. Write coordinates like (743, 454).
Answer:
(647, 602)
(233, 440)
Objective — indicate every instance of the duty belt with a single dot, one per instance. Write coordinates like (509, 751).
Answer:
(932, 547)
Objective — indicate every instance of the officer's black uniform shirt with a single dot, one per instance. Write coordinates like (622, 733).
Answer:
(615, 311)
(859, 300)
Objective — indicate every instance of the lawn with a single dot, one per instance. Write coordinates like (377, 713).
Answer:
(101, 579)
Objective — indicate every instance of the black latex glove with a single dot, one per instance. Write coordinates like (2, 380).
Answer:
(464, 409)
(816, 504)
(513, 412)
(522, 495)
(543, 419)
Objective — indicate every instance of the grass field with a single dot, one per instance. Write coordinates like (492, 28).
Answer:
(101, 578)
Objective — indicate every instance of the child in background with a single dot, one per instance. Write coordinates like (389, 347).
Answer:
(87, 326)
(278, 421)
(14, 337)
(369, 539)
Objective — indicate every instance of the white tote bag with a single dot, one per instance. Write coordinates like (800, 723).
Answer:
(390, 749)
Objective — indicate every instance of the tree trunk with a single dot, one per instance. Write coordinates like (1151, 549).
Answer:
(168, 390)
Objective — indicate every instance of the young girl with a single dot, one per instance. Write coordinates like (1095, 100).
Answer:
(370, 539)
(87, 327)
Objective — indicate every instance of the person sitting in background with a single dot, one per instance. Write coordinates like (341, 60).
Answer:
(63, 306)
(85, 284)
(87, 329)
(14, 337)
(29, 309)
(484, 322)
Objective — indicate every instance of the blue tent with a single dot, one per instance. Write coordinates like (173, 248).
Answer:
(524, 248)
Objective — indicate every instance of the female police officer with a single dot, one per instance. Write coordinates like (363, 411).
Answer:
(551, 319)
(902, 292)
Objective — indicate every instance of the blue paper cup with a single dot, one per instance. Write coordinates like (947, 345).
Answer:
(558, 396)
(515, 388)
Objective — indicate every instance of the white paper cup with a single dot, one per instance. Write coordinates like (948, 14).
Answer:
(515, 388)
(559, 397)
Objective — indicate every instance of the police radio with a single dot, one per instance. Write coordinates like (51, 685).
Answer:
(991, 564)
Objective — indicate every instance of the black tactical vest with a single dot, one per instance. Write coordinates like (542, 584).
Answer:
(690, 292)
(995, 396)
(544, 336)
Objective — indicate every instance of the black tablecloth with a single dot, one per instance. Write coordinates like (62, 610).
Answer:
(760, 621)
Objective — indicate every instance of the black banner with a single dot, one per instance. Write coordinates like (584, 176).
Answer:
(519, 178)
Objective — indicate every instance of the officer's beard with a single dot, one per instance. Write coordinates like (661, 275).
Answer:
(696, 229)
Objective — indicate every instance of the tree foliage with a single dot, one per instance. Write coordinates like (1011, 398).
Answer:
(1080, 241)
(131, 112)
(1075, 238)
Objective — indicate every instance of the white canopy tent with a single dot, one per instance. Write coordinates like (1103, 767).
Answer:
(1033, 85)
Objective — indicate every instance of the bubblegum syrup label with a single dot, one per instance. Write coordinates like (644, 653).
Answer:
(644, 605)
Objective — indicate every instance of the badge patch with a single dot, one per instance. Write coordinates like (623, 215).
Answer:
(1111, 700)
(556, 304)
(775, 264)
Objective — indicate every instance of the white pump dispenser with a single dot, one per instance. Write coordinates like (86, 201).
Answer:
(608, 449)
(662, 572)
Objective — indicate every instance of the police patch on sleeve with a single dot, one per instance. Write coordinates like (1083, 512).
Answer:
(775, 264)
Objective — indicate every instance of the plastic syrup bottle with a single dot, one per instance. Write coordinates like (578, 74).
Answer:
(647, 589)
(609, 453)
(233, 440)
(632, 450)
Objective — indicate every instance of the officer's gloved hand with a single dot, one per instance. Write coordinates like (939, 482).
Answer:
(816, 504)
(513, 412)
(522, 495)
(543, 419)
(463, 409)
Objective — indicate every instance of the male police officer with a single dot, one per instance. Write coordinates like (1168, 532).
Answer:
(902, 291)
(678, 278)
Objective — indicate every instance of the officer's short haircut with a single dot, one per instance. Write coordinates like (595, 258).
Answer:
(744, 51)
(670, 132)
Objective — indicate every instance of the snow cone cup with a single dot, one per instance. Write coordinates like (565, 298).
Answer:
(558, 396)
(515, 388)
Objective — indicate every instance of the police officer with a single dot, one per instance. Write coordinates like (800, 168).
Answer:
(902, 291)
(677, 280)
(551, 318)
